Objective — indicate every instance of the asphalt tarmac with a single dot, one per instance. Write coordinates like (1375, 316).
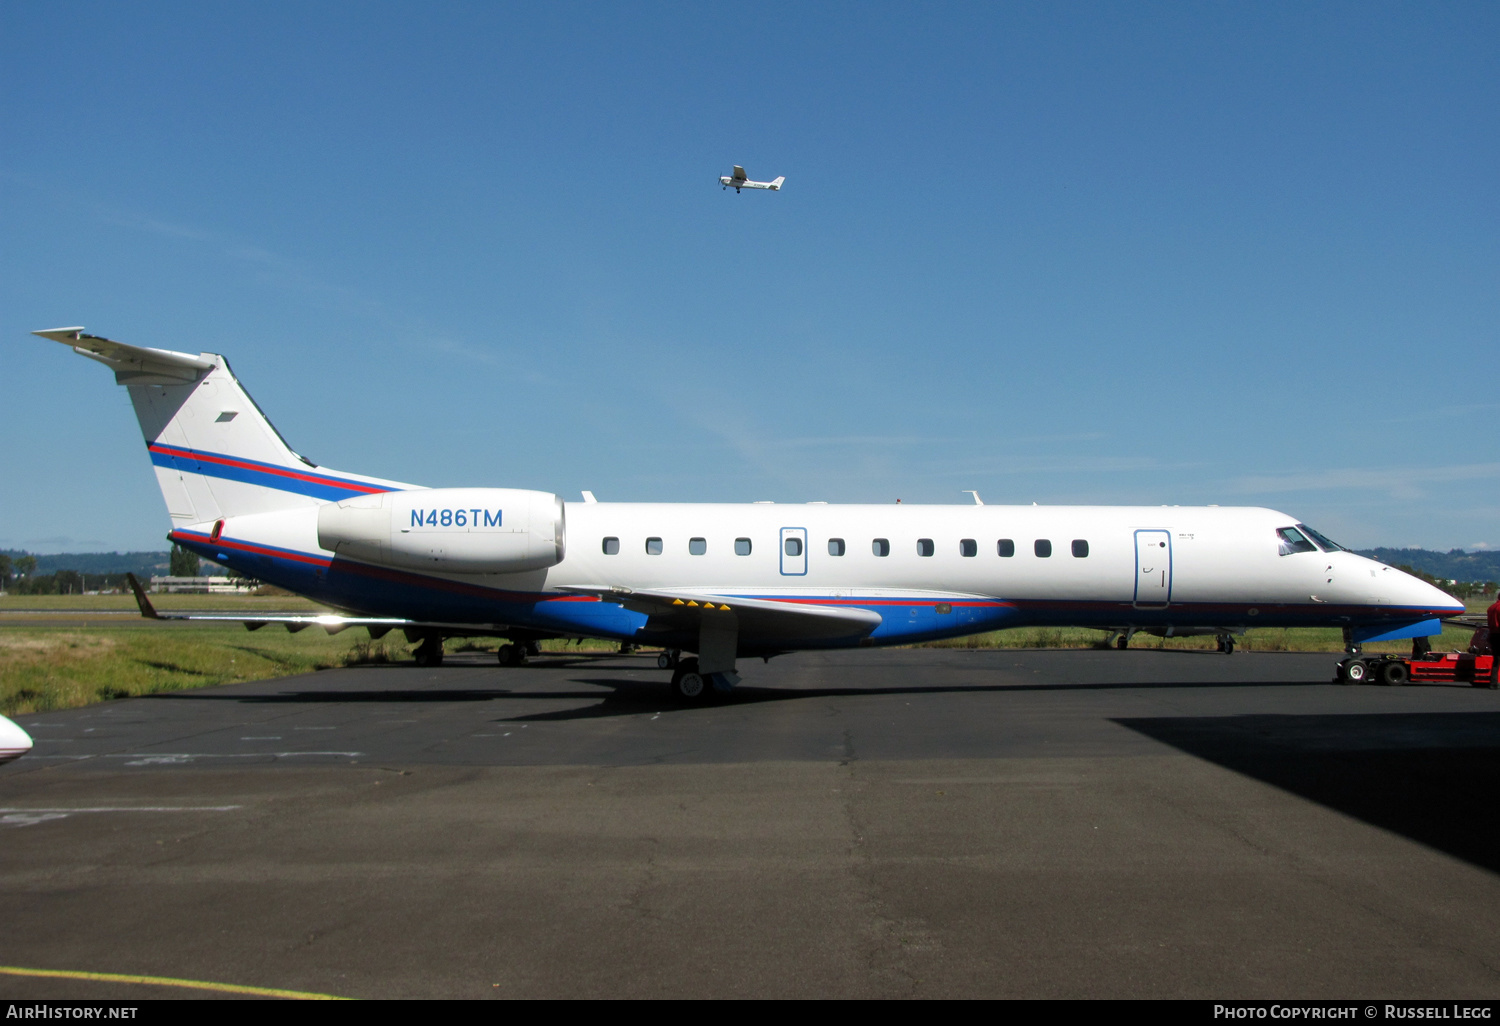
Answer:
(920, 823)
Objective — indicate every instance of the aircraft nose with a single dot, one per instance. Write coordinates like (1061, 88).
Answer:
(1405, 590)
(14, 742)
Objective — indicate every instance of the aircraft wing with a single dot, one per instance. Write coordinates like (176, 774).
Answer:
(764, 621)
(379, 626)
(739, 173)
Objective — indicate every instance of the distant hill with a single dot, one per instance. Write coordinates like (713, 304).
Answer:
(1453, 565)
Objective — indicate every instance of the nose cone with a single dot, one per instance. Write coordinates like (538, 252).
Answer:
(14, 742)
(1402, 589)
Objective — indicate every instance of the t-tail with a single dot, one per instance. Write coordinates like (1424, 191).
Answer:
(215, 453)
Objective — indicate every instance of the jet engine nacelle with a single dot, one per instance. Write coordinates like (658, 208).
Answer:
(459, 530)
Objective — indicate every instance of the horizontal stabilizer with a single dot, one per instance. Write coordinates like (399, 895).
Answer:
(133, 365)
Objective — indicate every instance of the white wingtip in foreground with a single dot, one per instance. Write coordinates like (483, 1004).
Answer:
(738, 181)
(14, 742)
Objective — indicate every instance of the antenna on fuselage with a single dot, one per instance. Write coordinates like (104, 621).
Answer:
(977, 500)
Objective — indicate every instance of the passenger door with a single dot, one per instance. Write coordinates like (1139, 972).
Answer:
(794, 551)
(1153, 568)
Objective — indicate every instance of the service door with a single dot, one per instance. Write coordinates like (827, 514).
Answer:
(794, 551)
(1153, 568)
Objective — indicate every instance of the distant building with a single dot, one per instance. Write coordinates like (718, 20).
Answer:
(216, 585)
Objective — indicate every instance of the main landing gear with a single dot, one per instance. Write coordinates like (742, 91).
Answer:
(1226, 644)
(688, 684)
(430, 651)
(515, 653)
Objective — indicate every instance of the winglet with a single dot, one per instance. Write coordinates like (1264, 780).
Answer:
(147, 609)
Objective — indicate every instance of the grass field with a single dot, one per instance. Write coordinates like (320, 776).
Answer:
(88, 653)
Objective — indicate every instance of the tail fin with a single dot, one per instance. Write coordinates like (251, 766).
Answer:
(216, 454)
(776, 182)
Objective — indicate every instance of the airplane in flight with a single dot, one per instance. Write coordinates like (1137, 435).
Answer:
(714, 583)
(738, 181)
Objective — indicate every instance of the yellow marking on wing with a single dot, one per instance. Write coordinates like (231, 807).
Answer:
(677, 602)
(167, 981)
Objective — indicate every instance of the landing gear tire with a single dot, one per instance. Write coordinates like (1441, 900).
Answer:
(1356, 671)
(689, 685)
(430, 652)
(1226, 644)
(1122, 642)
(512, 655)
(1394, 674)
(668, 659)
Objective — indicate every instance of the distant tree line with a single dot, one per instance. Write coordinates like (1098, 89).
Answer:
(18, 575)
(1461, 590)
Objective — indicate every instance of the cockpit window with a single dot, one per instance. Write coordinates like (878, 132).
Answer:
(1323, 543)
(1292, 540)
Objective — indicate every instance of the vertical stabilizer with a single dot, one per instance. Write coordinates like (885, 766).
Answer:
(216, 455)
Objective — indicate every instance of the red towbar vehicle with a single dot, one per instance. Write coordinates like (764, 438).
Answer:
(1475, 667)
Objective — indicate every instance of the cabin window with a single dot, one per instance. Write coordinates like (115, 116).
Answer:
(653, 546)
(1080, 548)
(611, 546)
(697, 546)
(881, 547)
(742, 546)
(793, 546)
(968, 547)
(925, 547)
(835, 546)
(1292, 540)
(1006, 547)
(1042, 547)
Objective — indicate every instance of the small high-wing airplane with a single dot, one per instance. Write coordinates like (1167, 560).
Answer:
(720, 581)
(14, 742)
(738, 181)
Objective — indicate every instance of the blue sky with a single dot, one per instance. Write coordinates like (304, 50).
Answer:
(1074, 253)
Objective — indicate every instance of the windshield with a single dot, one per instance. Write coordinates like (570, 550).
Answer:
(1324, 543)
(1292, 540)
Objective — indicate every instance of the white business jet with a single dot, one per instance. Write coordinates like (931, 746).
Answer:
(738, 181)
(720, 582)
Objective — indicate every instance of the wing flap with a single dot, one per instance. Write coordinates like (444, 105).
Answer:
(759, 621)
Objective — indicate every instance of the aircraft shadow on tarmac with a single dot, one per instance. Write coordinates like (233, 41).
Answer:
(1430, 777)
(631, 697)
